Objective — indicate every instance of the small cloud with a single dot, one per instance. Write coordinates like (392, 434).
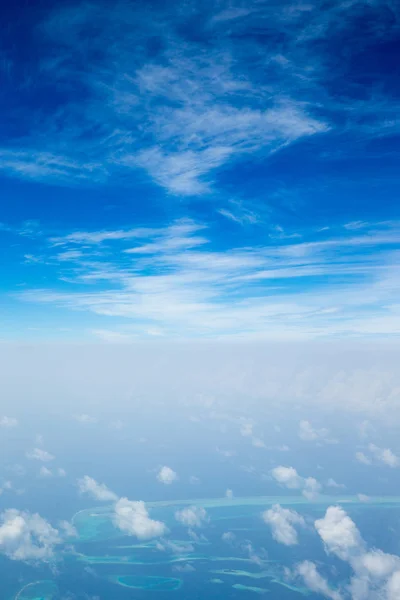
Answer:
(166, 475)
(192, 516)
(288, 477)
(229, 493)
(228, 536)
(282, 522)
(193, 480)
(360, 456)
(257, 443)
(246, 429)
(61, 472)
(85, 418)
(186, 568)
(133, 519)
(307, 570)
(308, 433)
(68, 529)
(363, 497)
(88, 485)
(39, 454)
(384, 455)
(45, 472)
(8, 422)
(333, 484)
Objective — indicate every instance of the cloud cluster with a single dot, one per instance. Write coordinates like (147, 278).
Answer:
(382, 455)
(308, 433)
(192, 516)
(131, 517)
(282, 522)
(8, 421)
(40, 454)
(27, 537)
(289, 478)
(376, 574)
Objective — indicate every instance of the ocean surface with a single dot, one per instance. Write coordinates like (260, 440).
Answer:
(233, 555)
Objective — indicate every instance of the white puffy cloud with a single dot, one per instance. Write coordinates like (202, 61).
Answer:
(362, 458)
(39, 454)
(378, 564)
(257, 442)
(314, 580)
(192, 516)
(45, 472)
(288, 477)
(83, 418)
(88, 485)
(282, 521)
(339, 533)
(246, 430)
(8, 422)
(228, 493)
(393, 587)
(68, 529)
(132, 518)
(376, 573)
(384, 455)
(308, 433)
(334, 484)
(167, 475)
(27, 537)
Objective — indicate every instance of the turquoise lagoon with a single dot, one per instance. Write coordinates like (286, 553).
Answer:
(104, 563)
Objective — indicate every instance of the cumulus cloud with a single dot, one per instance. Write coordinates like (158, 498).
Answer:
(282, 522)
(308, 433)
(393, 587)
(307, 570)
(192, 516)
(228, 493)
(8, 422)
(45, 472)
(334, 484)
(339, 533)
(132, 518)
(88, 485)
(39, 454)
(384, 455)
(166, 475)
(27, 537)
(246, 429)
(288, 477)
(362, 458)
(83, 418)
(68, 529)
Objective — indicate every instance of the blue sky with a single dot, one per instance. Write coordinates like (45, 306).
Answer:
(196, 170)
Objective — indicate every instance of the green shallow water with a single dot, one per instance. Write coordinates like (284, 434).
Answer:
(150, 583)
(96, 524)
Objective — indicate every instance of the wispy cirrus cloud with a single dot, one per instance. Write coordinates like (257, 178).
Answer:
(180, 103)
(174, 281)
